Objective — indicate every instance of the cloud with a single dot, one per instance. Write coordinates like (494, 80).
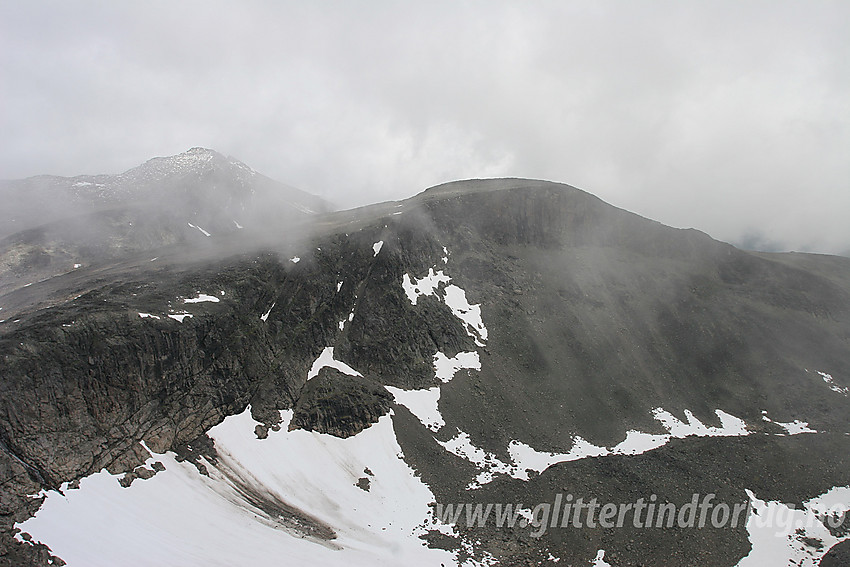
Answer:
(726, 116)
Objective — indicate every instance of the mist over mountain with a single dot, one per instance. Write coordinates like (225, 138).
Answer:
(320, 389)
(50, 224)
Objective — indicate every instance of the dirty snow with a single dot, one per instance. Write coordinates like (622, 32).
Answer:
(180, 517)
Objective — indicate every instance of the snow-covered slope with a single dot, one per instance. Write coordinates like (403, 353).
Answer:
(296, 497)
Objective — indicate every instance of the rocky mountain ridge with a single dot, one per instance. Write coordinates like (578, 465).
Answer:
(537, 315)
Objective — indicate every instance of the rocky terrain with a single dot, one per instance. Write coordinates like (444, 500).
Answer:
(513, 337)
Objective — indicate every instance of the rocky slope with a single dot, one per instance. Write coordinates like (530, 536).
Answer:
(561, 320)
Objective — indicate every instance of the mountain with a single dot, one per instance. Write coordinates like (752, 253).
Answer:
(50, 224)
(336, 396)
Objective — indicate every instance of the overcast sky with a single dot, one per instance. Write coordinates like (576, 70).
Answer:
(731, 117)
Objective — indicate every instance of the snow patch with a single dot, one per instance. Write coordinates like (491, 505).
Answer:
(730, 426)
(453, 296)
(423, 286)
(795, 427)
(599, 560)
(424, 404)
(295, 259)
(201, 298)
(638, 442)
(461, 445)
(525, 458)
(376, 247)
(148, 315)
(199, 228)
(265, 315)
(830, 381)
(180, 316)
(326, 359)
(445, 368)
(781, 535)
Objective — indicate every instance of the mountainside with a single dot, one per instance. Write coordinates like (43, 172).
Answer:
(326, 396)
(49, 225)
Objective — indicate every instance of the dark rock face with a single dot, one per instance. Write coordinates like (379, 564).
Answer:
(595, 316)
(838, 556)
(339, 405)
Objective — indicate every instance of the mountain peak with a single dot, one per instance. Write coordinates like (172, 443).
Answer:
(193, 160)
(201, 150)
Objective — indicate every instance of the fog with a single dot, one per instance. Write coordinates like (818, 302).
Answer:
(730, 117)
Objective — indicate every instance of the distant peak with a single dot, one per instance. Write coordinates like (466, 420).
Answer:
(198, 150)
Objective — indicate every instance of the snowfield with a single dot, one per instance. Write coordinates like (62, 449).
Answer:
(781, 535)
(181, 517)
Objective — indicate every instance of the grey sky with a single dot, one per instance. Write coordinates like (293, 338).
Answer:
(731, 117)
